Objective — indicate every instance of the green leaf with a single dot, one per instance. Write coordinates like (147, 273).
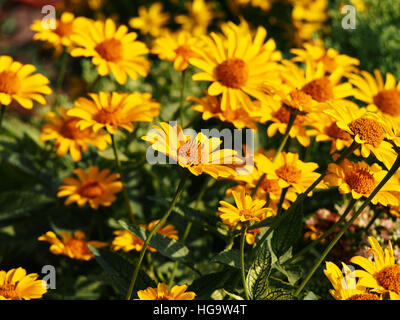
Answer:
(278, 294)
(205, 285)
(292, 272)
(287, 233)
(257, 277)
(14, 204)
(228, 257)
(120, 270)
(264, 223)
(198, 217)
(166, 246)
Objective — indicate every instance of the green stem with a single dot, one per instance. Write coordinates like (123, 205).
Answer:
(2, 112)
(327, 233)
(181, 98)
(61, 75)
(242, 241)
(187, 231)
(377, 214)
(391, 172)
(124, 190)
(289, 126)
(153, 231)
(281, 200)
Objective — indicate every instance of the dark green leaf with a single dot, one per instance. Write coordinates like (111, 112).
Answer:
(257, 277)
(166, 246)
(289, 230)
(15, 204)
(228, 257)
(120, 270)
(207, 284)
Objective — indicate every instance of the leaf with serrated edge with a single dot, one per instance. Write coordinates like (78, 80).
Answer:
(257, 277)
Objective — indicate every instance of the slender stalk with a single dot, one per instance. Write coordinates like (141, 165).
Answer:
(281, 200)
(377, 214)
(391, 172)
(61, 75)
(292, 118)
(2, 112)
(181, 98)
(187, 231)
(153, 231)
(124, 191)
(243, 270)
(327, 233)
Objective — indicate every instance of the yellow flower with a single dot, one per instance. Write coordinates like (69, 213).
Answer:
(314, 81)
(345, 287)
(16, 284)
(246, 209)
(113, 50)
(71, 245)
(237, 64)
(330, 58)
(198, 154)
(114, 110)
(290, 171)
(324, 128)
(278, 113)
(61, 35)
(96, 187)
(308, 17)
(68, 138)
(366, 128)
(360, 180)
(200, 16)
(382, 274)
(210, 107)
(162, 293)
(382, 97)
(150, 21)
(127, 241)
(176, 47)
(268, 189)
(264, 5)
(17, 83)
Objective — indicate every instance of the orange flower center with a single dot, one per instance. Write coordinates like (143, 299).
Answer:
(388, 101)
(185, 52)
(7, 291)
(364, 296)
(247, 214)
(110, 49)
(189, 153)
(361, 181)
(320, 90)
(105, 116)
(289, 173)
(369, 130)
(299, 100)
(389, 278)
(283, 115)
(91, 190)
(335, 132)
(64, 29)
(232, 73)
(9, 82)
(78, 247)
(70, 130)
(271, 186)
